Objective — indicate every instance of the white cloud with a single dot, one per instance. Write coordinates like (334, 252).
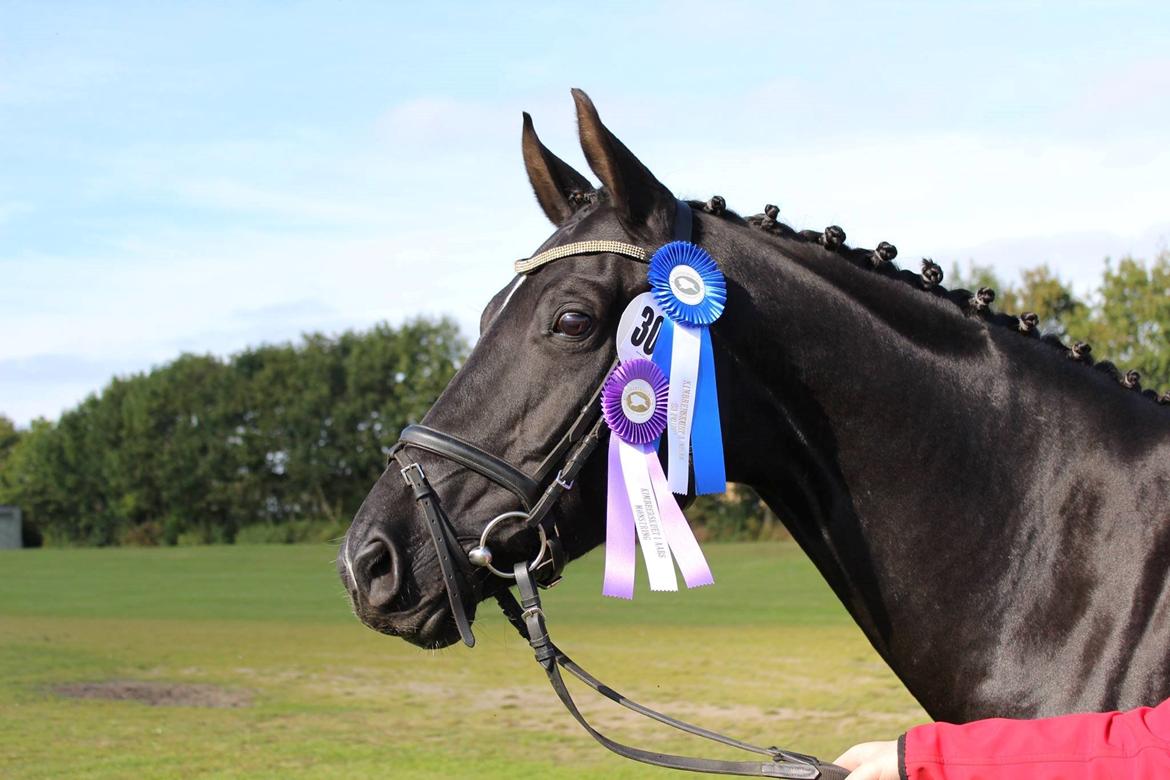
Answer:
(424, 214)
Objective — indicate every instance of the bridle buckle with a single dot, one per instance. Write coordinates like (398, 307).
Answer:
(560, 480)
(552, 582)
(421, 476)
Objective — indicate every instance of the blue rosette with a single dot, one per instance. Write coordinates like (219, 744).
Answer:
(690, 289)
(687, 284)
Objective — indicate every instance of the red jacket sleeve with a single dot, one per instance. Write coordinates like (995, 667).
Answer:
(1092, 746)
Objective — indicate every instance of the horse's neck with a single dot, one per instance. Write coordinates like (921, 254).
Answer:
(939, 473)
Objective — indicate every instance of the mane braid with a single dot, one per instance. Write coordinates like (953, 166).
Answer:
(973, 304)
(579, 198)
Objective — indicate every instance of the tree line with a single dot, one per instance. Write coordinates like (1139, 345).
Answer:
(273, 443)
(282, 442)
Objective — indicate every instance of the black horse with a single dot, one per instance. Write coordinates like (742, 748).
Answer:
(992, 510)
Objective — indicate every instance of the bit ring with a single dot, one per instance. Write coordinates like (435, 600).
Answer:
(487, 530)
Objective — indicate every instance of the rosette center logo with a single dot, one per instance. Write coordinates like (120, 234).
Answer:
(638, 401)
(687, 284)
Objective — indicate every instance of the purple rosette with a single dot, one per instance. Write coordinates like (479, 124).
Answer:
(640, 507)
(633, 401)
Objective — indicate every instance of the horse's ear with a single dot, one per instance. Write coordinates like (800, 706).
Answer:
(552, 178)
(642, 202)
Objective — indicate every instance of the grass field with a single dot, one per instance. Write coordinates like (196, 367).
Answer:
(331, 699)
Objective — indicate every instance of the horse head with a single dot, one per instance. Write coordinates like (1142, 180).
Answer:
(546, 343)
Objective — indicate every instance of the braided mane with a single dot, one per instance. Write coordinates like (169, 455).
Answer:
(973, 304)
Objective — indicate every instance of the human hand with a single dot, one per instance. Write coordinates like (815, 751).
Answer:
(871, 761)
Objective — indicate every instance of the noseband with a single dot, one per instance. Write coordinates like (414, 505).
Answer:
(538, 497)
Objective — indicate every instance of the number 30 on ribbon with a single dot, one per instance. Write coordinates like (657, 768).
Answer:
(638, 329)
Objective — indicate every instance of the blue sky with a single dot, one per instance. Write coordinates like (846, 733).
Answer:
(201, 177)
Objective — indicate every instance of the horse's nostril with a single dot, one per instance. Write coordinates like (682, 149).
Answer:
(376, 570)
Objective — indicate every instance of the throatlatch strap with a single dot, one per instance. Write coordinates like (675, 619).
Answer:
(567, 475)
(528, 619)
(580, 426)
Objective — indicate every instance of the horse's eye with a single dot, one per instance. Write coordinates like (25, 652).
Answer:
(573, 323)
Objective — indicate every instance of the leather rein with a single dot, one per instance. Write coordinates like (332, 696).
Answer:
(538, 497)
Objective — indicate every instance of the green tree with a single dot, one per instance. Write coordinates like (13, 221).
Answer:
(1129, 321)
(10, 437)
(201, 447)
(28, 478)
(739, 515)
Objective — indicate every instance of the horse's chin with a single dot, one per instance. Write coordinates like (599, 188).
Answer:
(436, 632)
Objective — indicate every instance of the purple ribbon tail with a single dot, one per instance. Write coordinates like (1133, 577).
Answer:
(619, 531)
(679, 536)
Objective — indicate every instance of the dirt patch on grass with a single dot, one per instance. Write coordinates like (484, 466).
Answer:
(157, 694)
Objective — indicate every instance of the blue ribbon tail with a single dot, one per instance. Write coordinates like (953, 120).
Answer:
(706, 430)
(664, 346)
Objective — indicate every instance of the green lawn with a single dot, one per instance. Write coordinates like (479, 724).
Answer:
(333, 699)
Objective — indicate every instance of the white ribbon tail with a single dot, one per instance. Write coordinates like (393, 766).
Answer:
(683, 544)
(651, 536)
(684, 379)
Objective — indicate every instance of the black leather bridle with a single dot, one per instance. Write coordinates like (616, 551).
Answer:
(538, 497)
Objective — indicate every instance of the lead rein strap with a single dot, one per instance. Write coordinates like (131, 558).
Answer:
(528, 619)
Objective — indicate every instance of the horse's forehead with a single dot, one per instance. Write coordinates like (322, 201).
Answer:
(511, 291)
